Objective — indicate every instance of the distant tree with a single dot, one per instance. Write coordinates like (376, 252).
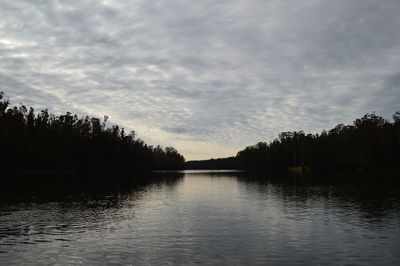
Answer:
(396, 117)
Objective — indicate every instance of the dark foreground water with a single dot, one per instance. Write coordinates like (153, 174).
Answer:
(207, 218)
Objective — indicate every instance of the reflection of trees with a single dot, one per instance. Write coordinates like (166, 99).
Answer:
(59, 188)
(363, 200)
(26, 217)
(216, 173)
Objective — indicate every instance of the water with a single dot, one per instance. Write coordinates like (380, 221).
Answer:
(206, 218)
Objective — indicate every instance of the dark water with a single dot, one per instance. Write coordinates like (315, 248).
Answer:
(198, 217)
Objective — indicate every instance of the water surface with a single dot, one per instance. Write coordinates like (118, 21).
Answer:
(206, 218)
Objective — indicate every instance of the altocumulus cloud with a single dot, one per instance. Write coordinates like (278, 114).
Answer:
(208, 77)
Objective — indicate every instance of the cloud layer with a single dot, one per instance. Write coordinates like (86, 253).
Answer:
(208, 77)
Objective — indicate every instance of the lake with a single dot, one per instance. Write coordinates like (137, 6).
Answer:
(200, 217)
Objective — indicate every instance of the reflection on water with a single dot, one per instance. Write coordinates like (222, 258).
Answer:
(212, 218)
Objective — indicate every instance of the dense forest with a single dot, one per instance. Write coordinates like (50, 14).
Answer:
(45, 142)
(371, 142)
(40, 142)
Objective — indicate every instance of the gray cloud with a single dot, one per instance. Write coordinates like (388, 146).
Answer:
(208, 77)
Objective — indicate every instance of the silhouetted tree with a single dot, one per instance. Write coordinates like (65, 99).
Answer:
(47, 142)
(371, 142)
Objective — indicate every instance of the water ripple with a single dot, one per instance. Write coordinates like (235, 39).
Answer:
(205, 219)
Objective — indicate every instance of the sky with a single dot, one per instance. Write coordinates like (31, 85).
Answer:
(206, 77)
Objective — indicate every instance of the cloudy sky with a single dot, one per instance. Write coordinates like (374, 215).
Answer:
(207, 77)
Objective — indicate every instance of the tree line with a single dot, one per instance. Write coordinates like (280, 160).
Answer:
(371, 142)
(40, 142)
(213, 164)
